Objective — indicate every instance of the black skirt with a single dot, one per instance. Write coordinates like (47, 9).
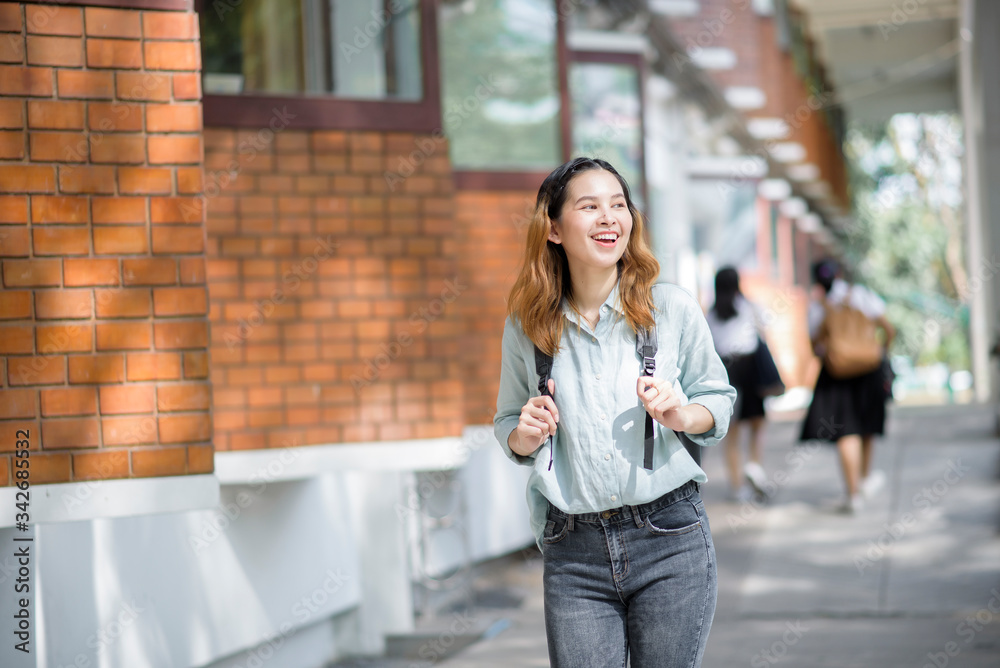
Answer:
(743, 376)
(844, 407)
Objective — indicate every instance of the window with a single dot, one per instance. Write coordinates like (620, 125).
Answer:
(500, 84)
(353, 49)
(607, 118)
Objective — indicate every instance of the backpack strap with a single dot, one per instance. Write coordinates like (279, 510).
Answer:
(645, 347)
(543, 367)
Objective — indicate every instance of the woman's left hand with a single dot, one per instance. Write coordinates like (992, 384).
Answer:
(661, 402)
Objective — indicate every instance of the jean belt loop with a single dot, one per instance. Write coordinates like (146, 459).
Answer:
(569, 521)
(636, 516)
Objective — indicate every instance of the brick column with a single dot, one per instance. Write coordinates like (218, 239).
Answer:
(104, 326)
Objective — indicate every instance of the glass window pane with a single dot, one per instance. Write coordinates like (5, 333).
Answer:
(500, 84)
(362, 49)
(607, 118)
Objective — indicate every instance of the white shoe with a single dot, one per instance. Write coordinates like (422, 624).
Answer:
(756, 476)
(873, 484)
(852, 505)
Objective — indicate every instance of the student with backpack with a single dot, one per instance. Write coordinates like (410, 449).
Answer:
(848, 405)
(608, 384)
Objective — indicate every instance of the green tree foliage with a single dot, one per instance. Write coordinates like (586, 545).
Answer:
(908, 240)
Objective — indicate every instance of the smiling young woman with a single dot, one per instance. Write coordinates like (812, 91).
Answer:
(629, 562)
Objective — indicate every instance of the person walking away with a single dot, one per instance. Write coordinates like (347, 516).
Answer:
(604, 376)
(736, 328)
(848, 411)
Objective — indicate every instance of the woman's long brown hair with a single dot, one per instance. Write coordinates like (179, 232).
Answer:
(544, 277)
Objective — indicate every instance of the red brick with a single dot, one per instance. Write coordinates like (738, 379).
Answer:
(14, 209)
(90, 369)
(118, 149)
(179, 301)
(26, 81)
(50, 468)
(185, 428)
(11, 145)
(56, 51)
(112, 22)
(89, 271)
(60, 241)
(120, 240)
(114, 53)
(101, 465)
(17, 404)
(129, 430)
(85, 84)
(172, 55)
(192, 270)
(154, 366)
(70, 433)
(114, 116)
(65, 210)
(51, 339)
(169, 25)
(14, 242)
(123, 336)
(31, 273)
(58, 147)
(128, 398)
(55, 115)
(186, 210)
(185, 397)
(159, 461)
(51, 20)
(17, 339)
(195, 365)
(63, 401)
(174, 149)
(152, 271)
(180, 335)
(177, 239)
(87, 179)
(122, 302)
(201, 458)
(113, 210)
(10, 17)
(27, 179)
(143, 86)
(50, 370)
(12, 49)
(12, 114)
(62, 304)
(190, 180)
(187, 87)
(173, 118)
(145, 180)
(15, 304)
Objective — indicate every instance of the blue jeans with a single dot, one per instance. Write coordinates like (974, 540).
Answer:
(637, 582)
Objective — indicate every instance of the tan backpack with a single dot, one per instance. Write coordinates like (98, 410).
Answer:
(849, 336)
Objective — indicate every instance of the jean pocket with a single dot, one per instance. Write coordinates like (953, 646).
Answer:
(673, 520)
(555, 530)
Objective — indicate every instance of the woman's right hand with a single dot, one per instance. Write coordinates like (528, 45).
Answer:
(537, 422)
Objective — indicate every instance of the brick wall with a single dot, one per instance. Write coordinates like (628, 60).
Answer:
(492, 228)
(104, 331)
(333, 288)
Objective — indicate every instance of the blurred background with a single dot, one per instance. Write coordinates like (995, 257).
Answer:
(256, 255)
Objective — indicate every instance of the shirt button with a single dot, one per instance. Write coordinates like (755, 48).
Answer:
(605, 308)
(607, 457)
(603, 416)
(597, 376)
(614, 498)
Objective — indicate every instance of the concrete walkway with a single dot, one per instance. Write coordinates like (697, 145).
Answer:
(912, 581)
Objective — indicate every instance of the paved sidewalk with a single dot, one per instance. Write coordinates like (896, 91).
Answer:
(911, 581)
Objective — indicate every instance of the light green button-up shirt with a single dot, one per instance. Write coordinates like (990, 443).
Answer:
(597, 462)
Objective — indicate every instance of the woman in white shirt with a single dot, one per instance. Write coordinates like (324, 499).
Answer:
(848, 411)
(735, 327)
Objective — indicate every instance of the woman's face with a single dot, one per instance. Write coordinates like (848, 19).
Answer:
(595, 223)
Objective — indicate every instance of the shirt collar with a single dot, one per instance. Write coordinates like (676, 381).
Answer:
(612, 302)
